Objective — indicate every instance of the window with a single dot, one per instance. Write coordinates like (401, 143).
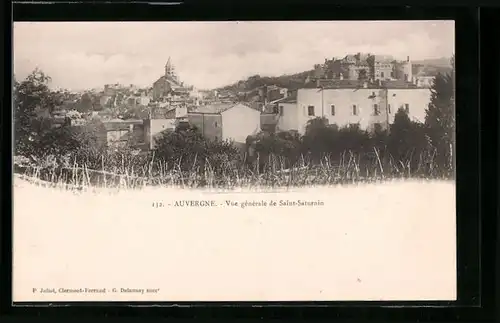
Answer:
(389, 108)
(381, 74)
(354, 110)
(333, 109)
(310, 110)
(376, 110)
(215, 124)
(282, 110)
(407, 108)
(392, 74)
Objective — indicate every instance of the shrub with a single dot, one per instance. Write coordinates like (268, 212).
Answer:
(189, 150)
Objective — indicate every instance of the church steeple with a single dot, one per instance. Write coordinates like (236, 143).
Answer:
(168, 67)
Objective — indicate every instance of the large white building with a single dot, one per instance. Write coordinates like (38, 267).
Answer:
(368, 106)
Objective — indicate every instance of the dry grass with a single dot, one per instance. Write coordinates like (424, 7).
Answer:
(130, 172)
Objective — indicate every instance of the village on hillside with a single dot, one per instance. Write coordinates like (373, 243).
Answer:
(362, 89)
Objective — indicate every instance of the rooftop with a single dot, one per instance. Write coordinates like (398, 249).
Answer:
(216, 108)
(119, 124)
(354, 84)
(289, 99)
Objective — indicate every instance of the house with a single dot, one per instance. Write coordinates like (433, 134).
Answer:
(369, 105)
(168, 111)
(105, 101)
(153, 128)
(284, 110)
(106, 114)
(119, 133)
(76, 122)
(424, 81)
(274, 92)
(234, 122)
(143, 100)
(279, 115)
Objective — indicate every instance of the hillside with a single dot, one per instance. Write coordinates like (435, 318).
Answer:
(430, 67)
(437, 62)
(292, 81)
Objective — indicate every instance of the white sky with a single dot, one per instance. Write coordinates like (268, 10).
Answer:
(83, 55)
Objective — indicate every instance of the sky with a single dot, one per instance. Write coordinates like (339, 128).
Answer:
(84, 55)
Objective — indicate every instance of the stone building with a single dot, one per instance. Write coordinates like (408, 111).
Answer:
(364, 66)
(169, 84)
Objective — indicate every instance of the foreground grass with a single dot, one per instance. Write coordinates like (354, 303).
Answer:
(131, 173)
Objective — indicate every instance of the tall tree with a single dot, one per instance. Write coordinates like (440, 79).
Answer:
(30, 96)
(440, 118)
(85, 103)
(370, 60)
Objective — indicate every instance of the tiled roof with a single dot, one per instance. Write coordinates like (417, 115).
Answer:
(289, 99)
(118, 124)
(115, 126)
(215, 108)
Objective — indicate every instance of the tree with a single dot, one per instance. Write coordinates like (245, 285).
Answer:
(30, 96)
(85, 103)
(184, 144)
(440, 119)
(362, 75)
(400, 135)
(370, 60)
(407, 141)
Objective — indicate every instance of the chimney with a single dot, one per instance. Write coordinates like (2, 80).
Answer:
(407, 58)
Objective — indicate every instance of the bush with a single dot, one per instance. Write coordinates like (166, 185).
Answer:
(323, 140)
(189, 150)
(285, 146)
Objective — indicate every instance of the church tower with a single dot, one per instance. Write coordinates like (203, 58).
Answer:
(168, 68)
(170, 71)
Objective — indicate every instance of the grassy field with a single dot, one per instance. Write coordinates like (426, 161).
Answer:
(133, 172)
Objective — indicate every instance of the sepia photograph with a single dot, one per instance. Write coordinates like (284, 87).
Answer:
(234, 161)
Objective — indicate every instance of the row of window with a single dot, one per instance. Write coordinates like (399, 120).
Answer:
(354, 109)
